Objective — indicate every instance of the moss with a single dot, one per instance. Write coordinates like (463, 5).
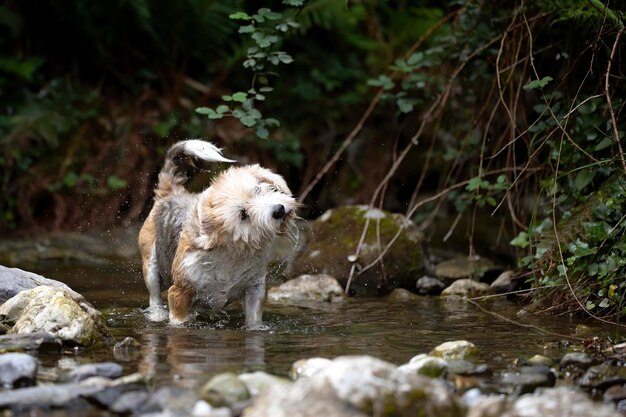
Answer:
(336, 235)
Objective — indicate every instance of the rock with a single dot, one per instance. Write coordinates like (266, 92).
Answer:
(466, 288)
(358, 386)
(426, 365)
(459, 349)
(579, 360)
(615, 393)
(400, 295)
(505, 282)
(18, 370)
(109, 370)
(225, 390)
(540, 360)
(55, 311)
(463, 367)
(550, 402)
(561, 401)
(15, 280)
(527, 380)
(46, 396)
(603, 375)
(463, 267)
(203, 409)
(258, 382)
(127, 349)
(39, 341)
(132, 402)
(334, 238)
(322, 288)
(73, 398)
(307, 367)
(429, 286)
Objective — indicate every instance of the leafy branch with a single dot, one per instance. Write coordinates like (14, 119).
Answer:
(267, 30)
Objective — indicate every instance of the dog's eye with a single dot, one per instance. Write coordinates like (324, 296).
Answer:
(243, 214)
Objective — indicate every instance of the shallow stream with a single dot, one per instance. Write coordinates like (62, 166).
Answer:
(394, 331)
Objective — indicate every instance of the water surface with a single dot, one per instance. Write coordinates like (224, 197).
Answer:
(187, 356)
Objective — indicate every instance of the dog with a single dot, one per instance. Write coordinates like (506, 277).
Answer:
(214, 246)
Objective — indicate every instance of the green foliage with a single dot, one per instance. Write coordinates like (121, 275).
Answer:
(267, 29)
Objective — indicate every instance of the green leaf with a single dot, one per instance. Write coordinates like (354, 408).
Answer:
(538, 83)
(272, 122)
(406, 104)
(268, 14)
(222, 108)
(474, 184)
(604, 303)
(596, 232)
(239, 16)
(240, 96)
(590, 305)
(382, 81)
(415, 58)
(262, 132)
(521, 240)
(583, 178)
(247, 29)
(204, 110)
(116, 183)
(285, 59)
(604, 143)
(491, 201)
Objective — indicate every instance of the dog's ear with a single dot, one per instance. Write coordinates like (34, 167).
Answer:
(275, 180)
(206, 232)
(207, 238)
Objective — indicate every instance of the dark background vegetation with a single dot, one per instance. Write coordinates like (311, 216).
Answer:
(485, 122)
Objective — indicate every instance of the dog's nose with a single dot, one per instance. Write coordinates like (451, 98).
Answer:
(278, 212)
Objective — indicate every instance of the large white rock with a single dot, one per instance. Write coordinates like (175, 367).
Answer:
(54, 311)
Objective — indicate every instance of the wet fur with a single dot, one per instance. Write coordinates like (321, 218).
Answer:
(212, 247)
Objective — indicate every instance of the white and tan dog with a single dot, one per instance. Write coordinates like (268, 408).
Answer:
(212, 247)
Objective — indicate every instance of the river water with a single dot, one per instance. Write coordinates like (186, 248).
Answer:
(188, 356)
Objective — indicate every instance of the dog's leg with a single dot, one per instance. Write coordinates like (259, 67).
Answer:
(255, 295)
(179, 300)
(156, 311)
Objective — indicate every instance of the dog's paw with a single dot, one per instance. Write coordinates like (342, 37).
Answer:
(177, 321)
(156, 313)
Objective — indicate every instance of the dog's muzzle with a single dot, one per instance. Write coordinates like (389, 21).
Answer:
(279, 212)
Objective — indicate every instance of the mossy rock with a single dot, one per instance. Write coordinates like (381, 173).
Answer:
(463, 267)
(335, 236)
(57, 312)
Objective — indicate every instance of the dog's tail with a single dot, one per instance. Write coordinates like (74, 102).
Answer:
(186, 154)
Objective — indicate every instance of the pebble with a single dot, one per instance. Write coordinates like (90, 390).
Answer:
(459, 349)
(429, 286)
(225, 390)
(527, 380)
(307, 367)
(18, 370)
(615, 393)
(425, 365)
(109, 370)
(579, 360)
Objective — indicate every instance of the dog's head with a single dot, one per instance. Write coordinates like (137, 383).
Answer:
(247, 205)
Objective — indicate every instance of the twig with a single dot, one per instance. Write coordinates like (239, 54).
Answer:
(608, 98)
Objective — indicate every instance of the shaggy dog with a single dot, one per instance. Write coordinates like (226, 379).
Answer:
(214, 246)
